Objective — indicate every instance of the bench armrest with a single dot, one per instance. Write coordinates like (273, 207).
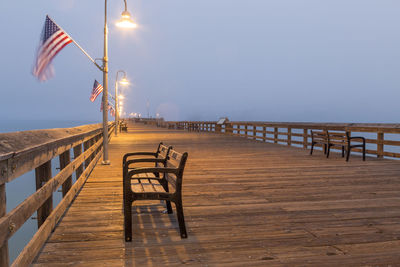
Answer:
(132, 161)
(150, 170)
(154, 154)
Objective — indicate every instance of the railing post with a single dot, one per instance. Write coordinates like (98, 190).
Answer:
(305, 138)
(228, 128)
(65, 159)
(275, 135)
(218, 128)
(42, 175)
(264, 133)
(380, 138)
(289, 136)
(254, 132)
(246, 130)
(3, 209)
(86, 146)
(77, 152)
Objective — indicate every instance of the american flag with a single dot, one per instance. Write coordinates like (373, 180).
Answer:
(101, 106)
(52, 40)
(97, 89)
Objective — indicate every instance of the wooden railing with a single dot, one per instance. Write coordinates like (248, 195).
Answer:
(382, 139)
(21, 152)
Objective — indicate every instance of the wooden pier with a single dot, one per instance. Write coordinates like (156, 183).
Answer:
(246, 203)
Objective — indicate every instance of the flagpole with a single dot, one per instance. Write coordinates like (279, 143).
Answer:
(84, 52)
(105, 161)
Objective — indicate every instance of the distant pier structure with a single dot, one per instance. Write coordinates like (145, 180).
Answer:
(252, 196)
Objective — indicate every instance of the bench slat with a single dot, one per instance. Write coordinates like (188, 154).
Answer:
(147, 186)
(136, 186)
(157, 186)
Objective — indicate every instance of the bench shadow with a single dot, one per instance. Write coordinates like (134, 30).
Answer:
(156, 238)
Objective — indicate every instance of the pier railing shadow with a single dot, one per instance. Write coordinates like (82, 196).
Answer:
(77, 150)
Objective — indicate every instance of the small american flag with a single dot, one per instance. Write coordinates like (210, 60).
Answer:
(101, 106)
(97, 89)
(112, 112)
(52, 40)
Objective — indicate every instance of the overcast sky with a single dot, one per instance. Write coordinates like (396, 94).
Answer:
(270, 60)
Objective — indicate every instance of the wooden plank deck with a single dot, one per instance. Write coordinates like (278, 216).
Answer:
(246, 203)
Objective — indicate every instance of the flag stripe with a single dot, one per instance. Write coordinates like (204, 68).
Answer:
(53, 39)
(49, 54)
(97, 89)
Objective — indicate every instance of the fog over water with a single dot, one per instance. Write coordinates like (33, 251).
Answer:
(271, 60)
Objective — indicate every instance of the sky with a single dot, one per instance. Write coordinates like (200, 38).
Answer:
(264, 60)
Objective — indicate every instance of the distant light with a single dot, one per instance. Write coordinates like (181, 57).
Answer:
(126, 21)
(124, 81)
(121, 97)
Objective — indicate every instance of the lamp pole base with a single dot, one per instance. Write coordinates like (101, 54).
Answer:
(105, 162)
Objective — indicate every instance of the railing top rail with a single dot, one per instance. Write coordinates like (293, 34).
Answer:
(366, 127)
(23, 151)
(18, 143)
(192, 121)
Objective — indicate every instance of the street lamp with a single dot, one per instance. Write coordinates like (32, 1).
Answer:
(125, 22)
(123, 81)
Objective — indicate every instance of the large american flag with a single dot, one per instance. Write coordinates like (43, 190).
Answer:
(97, 89)
(52, 40)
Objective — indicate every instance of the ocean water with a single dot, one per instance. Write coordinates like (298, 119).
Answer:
(24, 186)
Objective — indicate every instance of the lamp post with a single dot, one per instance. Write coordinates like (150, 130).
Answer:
(125, 22)
(123, 81)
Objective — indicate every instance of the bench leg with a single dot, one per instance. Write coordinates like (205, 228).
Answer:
(181, 219)
(342, 151)
(312, 148)
(329, 149)
(128, 220)
(324, 148)
(348, 152)
(167, 202)
(363, 152)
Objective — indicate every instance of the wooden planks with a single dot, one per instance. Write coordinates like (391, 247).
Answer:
(247, 203)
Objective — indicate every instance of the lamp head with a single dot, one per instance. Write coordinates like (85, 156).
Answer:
(126, 21)
(124, 81)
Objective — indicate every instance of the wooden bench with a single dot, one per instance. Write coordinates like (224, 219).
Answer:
(123, 126)
(318, 137)
(342, 140)
(154, 183)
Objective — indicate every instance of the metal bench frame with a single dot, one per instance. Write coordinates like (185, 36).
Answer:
(337, 139)
(162, 175)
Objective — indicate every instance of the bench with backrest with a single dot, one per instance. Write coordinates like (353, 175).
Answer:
(339, 139)
(123, 126)
(320, 138)
(346, 142)
(154, 183)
